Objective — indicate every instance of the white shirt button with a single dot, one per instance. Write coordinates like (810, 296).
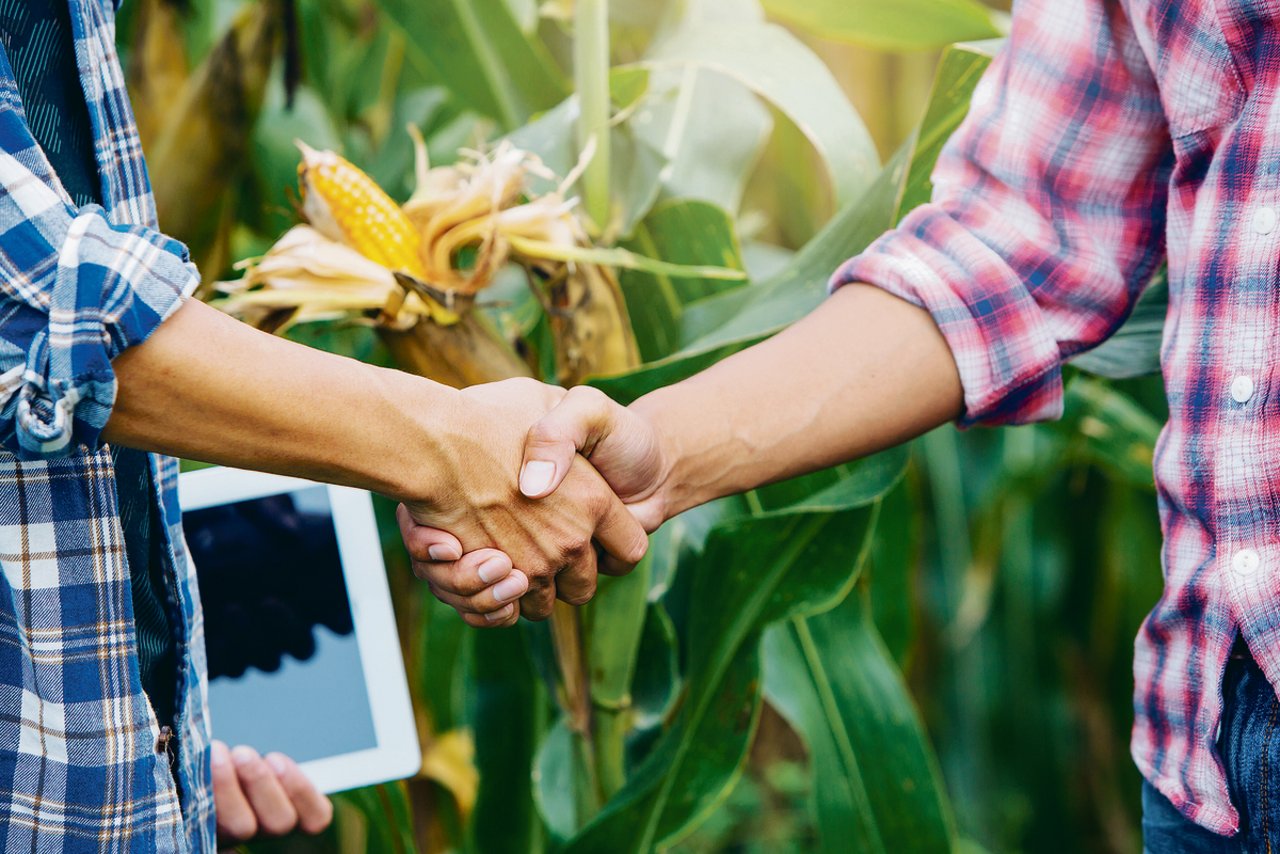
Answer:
(1242, 389)
(1245, 561)
(1264, 220)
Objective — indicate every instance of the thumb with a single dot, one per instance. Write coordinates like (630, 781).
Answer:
(582, 419)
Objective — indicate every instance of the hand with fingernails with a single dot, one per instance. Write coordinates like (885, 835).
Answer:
(268, 795)
(484, 585)
(709, 436)
(561, 506)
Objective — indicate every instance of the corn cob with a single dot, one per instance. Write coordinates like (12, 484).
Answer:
(344, 204)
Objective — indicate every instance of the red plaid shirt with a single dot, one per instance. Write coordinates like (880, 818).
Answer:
(1111, 135)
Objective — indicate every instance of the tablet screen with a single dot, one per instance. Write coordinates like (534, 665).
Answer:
(284, 665)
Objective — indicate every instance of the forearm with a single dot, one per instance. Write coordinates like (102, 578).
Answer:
(864, 372)
(207, 387)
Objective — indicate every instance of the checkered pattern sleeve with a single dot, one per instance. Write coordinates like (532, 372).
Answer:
(76, 290)
(1048, 213)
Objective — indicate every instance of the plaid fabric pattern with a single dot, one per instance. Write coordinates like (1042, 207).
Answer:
(79, 764)
(1108, 136)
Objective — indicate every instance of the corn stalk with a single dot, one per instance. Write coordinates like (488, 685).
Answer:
(196, 129)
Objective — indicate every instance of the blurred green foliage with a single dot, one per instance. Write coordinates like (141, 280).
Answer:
(923, 651)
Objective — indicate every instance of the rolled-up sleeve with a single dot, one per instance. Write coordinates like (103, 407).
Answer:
(1048, 212)
(76, 290)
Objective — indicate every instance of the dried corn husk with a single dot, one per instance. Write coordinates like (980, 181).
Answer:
(318, 277)
(472, 206)
(483, 206)
(306, 276)
(473, 219)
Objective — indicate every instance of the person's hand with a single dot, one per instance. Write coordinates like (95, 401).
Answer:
(620, 443)
(263, 796)
(546, 545)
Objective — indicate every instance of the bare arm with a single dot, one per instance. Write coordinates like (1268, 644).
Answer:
(210, 388)
(864, 372)
(1028, 253)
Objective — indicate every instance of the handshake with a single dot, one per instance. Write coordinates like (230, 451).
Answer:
(545, 477)
(528, 477)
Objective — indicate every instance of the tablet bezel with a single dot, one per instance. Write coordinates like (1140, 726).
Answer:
(397, 755)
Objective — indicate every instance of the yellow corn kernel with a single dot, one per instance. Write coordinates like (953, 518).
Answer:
(346, 205)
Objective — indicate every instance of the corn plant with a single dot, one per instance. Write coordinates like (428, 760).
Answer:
(628, 725)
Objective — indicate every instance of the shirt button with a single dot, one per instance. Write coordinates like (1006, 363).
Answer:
(1264, 220)
(1245, 561)
(1242, 389)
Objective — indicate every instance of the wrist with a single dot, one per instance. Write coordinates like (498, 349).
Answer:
(673, 492)
(421, 429)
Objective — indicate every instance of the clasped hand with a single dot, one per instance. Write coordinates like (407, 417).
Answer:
(590, 474)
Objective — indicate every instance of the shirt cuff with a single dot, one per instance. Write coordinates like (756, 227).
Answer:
(115, 285)
(1009, 361)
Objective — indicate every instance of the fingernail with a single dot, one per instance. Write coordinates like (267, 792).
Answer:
(219, 754)
(512, 587)
(535, 477)
(499, 616)
(441, 552)
(493, 569)
(278, 763)
(243, 755)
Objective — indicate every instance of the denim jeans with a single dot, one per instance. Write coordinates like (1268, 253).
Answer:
(1249, 745)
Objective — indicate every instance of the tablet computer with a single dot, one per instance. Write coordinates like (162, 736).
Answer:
(301, 639)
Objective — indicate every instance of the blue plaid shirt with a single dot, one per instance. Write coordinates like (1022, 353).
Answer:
(82, 763)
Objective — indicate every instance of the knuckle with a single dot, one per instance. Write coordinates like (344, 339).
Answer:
(589, 396)
(316, 822)
(545, 434)
(597, 502)
(253, 773)
(470, 586)
(240, 827)
(524, 384)
(277, 824)
(575, 550)
(638, 550)
(461, 583)
(537, 607)
(417, 547)
(580, 597)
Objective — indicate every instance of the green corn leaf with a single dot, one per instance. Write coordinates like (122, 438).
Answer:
(740, 318)
(478, 49)
(753, 571)
(501, 680)
(900, 25)
(685, 232)
(1115, 431)
(1134, 350)
(782, 70)
(616, 256)
(876, 787)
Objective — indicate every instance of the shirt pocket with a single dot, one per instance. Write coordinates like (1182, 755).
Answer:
(1200, 85)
